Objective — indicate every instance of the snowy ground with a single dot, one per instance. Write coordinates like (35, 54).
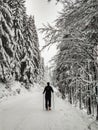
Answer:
(25, 112)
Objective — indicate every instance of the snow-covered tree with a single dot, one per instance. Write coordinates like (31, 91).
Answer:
(31, 60)
(41, 76)
(19, 45)
(36, 52)
(18, 8)
(6, 39)
(76, 32)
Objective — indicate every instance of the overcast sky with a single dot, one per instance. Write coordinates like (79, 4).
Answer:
(43, 12)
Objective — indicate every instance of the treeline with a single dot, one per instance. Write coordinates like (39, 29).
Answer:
(76, 63)
(19, 46)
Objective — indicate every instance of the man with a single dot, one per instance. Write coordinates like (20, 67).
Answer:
(48, 89)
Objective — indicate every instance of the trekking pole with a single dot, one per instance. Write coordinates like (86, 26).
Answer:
(53, 101)
(43, 101)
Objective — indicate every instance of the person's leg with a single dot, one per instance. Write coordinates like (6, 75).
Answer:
(46, 103)
(50, 103)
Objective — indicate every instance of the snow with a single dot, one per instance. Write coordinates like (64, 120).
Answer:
(25, 112)
(11, 88)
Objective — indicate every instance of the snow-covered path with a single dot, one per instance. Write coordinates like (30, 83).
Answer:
(26, 113)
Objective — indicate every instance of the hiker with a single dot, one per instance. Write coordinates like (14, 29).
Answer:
(48, 89)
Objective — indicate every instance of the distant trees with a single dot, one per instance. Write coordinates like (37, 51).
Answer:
(76, 71)
(19, 46)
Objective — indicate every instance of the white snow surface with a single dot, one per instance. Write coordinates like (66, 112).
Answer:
(25, 112)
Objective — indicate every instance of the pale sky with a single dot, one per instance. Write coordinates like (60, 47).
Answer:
(44, 13)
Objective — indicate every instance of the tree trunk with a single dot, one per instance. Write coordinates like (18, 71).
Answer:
(96, 66)
(3, 73)
(80, 98)
(89, 106)
(97, 113)
(89, 94)
(70, 95)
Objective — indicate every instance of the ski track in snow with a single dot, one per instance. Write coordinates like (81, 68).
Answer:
(26, 113)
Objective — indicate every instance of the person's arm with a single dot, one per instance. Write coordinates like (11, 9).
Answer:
(52, 90)
(44, 90)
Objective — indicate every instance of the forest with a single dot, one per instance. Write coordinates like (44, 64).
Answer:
(75, 69)
(20, 56)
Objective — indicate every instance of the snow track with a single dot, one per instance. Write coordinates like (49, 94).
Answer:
(26, 113)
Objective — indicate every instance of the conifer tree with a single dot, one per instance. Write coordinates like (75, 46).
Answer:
(6, 39)
(19, 45)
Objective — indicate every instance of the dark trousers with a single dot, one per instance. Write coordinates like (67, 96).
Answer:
(47, 102)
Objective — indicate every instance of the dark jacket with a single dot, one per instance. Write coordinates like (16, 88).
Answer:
(47, 91)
